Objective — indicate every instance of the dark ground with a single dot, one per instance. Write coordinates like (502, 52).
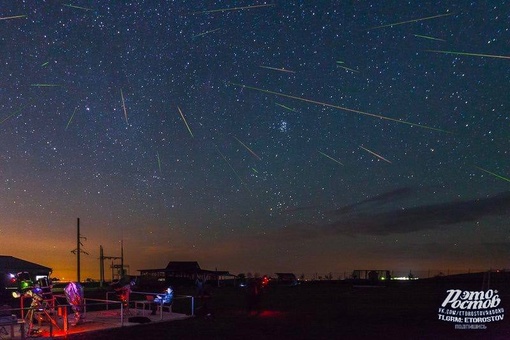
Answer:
(328, 310)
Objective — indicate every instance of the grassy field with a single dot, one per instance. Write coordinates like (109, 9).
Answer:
(327, 310)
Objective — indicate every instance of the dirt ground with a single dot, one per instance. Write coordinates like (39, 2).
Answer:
(328, 310)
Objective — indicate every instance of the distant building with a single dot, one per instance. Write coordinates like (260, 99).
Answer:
(10, 266)
(181, 273)
(13, 265)
(286, 279)
(372, 275)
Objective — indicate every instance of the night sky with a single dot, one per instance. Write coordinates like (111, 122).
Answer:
(256, 137)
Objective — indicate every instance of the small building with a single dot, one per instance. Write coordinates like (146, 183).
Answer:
(181, 273)
(286, 279)
(10, 266)
(372, 275)
(14, 265)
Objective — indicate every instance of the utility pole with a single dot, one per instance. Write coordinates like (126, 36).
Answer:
(101, 267)
(78, 243)
(101, 264)
(121, 258)
(78, 251)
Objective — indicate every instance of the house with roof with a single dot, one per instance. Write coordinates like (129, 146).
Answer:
(10, 266)
(14, 265)
(372, 276)
(286, 279)
(181, 273)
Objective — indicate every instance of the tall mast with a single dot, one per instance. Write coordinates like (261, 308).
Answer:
(121, 258)
(78, 251)
(101, 266)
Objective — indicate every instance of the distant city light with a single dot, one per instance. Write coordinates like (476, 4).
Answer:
(404, 278)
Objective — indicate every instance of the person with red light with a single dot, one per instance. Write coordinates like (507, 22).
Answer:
(254, 290)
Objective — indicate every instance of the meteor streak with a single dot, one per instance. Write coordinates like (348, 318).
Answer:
(471, 54)
(70, 119)
(376, 155)
(286, 107)
(247, 148)
(204, 33)
(277, 69)
(347, 68)
(13, 17)
(493, 174)
(334, 160)
(45, 85)
(409, 21)
(77, 7)
(124, 106)
(13, 114)
(427, 37)
(338, 107)
(235, 172)
(338, 62)
(185, 122)
(233, 9)
(159, 162)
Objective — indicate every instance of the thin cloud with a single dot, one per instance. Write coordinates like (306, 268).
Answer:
(384, 198)
(424, 217)
(403, 220)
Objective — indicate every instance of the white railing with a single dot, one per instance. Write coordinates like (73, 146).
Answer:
(100, 302)
(145, 294)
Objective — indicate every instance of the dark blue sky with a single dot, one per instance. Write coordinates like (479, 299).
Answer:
(301, 136)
